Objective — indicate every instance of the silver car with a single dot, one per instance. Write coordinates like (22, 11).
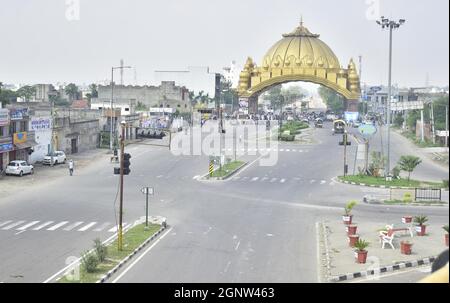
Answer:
(19, 168)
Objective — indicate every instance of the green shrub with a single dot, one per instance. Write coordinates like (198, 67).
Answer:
(348, 208)
(285, 137)
(396, 172)
(407, 198)
(445, 227)
(445, 182)
(89, 262)
(100, 250)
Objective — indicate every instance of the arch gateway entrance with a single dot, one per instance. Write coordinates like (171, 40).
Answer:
(299, 56)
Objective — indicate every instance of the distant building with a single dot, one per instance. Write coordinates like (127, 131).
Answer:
(197, 79)
(127, 97)
(42, 91)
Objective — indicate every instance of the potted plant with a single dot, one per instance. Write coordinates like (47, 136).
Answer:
(407, 219)
(351, 229)
(361, 252)
(420, 227)
(352, 239)
(347, 217)
(445, 227)
(405, 247)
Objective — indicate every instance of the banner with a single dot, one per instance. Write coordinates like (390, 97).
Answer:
(41, 124)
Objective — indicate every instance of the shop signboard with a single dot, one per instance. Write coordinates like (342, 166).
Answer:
(20, 137)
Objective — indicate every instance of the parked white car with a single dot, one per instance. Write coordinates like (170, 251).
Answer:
(58, 158)
(19, 168)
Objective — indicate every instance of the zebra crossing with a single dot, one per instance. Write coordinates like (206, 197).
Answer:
(51, 226)
(279, 180)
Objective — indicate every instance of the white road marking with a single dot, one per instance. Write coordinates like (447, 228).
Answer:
(227, 266)
(4, 223)
(234, 237)
(22, 231)
(237, 245)
(264, 179)
(244, 178)
(160, 176)
(282, 180)
(56, 226)
(72, 226)
(300, 151)
(288, 150)
(273, 180)
(236, 178)
(195, 177)
(294, 150)
(206, 232)
(312, 181)
(269, 235)
(13, 225)
(140, 257)
(28, 225)
(86, 227)
(101, 227)
(281, 149)
(323, 182)
(255, 178)
(43, 225)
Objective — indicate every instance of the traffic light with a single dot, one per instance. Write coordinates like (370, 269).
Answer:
(126, 164)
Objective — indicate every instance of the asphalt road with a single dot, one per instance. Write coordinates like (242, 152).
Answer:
(258, 226)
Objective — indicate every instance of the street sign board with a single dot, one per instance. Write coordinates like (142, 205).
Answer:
(147, 190)
(367, 130)
(375, 88)
(361, 155)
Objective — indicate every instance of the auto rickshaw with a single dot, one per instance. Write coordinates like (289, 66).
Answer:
(339, 126)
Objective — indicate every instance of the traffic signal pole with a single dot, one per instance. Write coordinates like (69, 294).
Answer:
(122, 151)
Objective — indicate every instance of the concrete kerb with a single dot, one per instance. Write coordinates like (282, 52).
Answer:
(132, 254)
(337, 179)
(383, 269)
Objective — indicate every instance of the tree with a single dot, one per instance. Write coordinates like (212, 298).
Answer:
(7, 96)
(141, 106)
(26, 92)
(439, 112)
(93, 92)
(72, 91)
(333, 100)
(409, 163)
(293, 93)
(57, 100)
(274, 96)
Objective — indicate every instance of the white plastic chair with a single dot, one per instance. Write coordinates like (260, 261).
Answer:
(387, 237)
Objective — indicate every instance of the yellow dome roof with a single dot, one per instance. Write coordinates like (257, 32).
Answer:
(300, 48)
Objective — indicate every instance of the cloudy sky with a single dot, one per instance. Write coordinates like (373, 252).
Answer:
(49, 41)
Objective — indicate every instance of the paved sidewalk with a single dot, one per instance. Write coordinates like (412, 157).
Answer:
(45, 173)
(342, 257)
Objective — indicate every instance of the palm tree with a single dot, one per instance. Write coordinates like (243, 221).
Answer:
(409, 163)
(72, 91)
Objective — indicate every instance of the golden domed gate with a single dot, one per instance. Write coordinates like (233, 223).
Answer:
(299, 56)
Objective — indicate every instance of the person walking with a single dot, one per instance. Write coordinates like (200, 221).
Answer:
(71, 167)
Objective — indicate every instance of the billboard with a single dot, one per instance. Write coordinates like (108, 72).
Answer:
(351, 116)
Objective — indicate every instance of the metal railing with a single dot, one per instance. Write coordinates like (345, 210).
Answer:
(427, 194)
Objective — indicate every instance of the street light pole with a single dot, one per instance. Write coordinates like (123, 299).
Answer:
(386, 23)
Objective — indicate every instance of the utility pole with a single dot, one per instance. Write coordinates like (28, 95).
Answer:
(345, 153)
(386, 23)
(113, 113)
(433, 129)
(422, 135)
(122, 152)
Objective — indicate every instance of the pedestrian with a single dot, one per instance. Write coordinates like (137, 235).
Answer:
(71, 167)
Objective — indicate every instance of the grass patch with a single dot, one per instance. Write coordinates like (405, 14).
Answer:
(418, 142)
(227, 169)
(131, 240)
(370, 180)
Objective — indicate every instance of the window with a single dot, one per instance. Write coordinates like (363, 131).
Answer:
(127, 109)
(178, 105)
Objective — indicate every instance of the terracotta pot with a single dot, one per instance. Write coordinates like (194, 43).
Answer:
(446, 240)
(361, 256)
(405, 248)
(352, 239)
(347, 219)
(407, 219)
(420, 230)
(351, 229)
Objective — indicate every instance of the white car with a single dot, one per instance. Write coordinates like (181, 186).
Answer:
(19, 168)
(58, 157)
